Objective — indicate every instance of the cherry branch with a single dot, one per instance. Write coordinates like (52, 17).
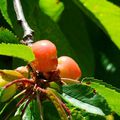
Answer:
(28, 32)
(18, 81)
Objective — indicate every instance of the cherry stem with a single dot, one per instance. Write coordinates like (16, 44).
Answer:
(39, 106)
(41, 90)
(23, 110)
(87, 79)
(23, 99)
(18, 81)
(64, 105)
(28, 101)
(66, 108)
(28, 32)
(66, 81)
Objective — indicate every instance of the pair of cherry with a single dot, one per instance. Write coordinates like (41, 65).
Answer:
(46, 60)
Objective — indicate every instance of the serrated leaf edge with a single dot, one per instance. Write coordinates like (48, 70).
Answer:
(9, 31)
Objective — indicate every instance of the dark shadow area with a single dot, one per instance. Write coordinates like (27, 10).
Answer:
(103, 46)
(116, 2)
(5, 62)
(3, 22)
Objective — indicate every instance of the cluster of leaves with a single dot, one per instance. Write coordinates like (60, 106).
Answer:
(88, 31)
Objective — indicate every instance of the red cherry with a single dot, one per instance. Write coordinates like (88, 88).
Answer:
(45, 56)
(68, 68)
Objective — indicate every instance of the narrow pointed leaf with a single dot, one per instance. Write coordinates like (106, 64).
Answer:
(57, 104)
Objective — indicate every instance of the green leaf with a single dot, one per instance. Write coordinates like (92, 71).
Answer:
(17, 50)
(84, 97)
(32, 112)
(7, 36)
(111, 94)
(1, 90)
(79, 114)
(7, 93)
(105, 14)
(4, 11)
(47, 111)
(76, 114)
(55, 100)
(52, 8)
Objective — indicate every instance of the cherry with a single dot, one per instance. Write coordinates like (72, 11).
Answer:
(68, 68)
(45, 56)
